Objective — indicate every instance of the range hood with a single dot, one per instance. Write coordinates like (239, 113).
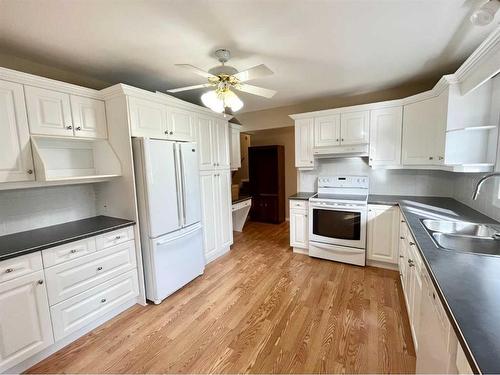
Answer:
(345, 151)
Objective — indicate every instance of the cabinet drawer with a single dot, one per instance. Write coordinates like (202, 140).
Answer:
(298, 204)
(69, 251)
(78, 311)
(70, 278)
(115, 237)
(19, 266)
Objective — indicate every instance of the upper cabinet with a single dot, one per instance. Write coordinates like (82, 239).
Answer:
(180, 124)
(354, 128)
(234, 146)
(385, 136)
(304, 158)
(213, 143)
(16, 162)
(60, 114)
(327, 131)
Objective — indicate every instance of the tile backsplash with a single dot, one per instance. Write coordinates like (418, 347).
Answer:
(27, 209)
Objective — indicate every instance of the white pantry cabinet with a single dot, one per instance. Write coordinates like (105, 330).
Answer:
(25, 322)
(215, 189)
(386, 125)
(382, 233)
(213, 143)
(299, 226)
(354, 128)
(235, 147)
(304, 138)
(16, 160)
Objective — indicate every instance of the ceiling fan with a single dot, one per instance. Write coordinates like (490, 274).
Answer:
(224, 79)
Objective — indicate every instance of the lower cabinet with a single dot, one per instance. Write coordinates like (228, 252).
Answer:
(217, 223)
(25, 325)
(382, 233)
(299, 226)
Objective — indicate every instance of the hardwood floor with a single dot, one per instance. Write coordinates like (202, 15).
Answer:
(258, 309)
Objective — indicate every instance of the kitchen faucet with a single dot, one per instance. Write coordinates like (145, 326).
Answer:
(480, 182)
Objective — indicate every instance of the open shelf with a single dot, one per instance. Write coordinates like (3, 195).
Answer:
(74, 159)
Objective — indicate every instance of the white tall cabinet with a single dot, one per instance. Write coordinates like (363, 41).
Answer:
(304, 133)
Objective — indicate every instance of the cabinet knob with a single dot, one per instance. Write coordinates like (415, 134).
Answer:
(412, 243)
(29, 171)
(431, 157)
(118, 237)
(9, 270)
(40, 282)
(440, 158)
(103, 300)
(311, 161)
(69, 127)
(166, 131)
(401, 256)
(337, 140)
(401, 237)
(99, 268)
(371, 159)
(78, 128)
(402, 221)
(73, 251)
(171, 132)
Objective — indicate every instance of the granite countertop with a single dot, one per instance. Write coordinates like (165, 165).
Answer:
(468, 284)
(16, 244)
(302, 195)
(241, 198)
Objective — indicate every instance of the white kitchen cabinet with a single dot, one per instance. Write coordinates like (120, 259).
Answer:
(424, 127)
(382, 233)
(25, 322)
(216, 212)
(299, 226)
(213, 143)
(180, 124)
(49, 112)
(89, 117)
(16, 160)
(147, 118)
(327, 131)
(304, 138)
(386, 125)
(234, 146)
(354, 128)
(221, 142)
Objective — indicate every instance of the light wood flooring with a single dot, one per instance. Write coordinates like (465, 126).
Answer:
(258, 309)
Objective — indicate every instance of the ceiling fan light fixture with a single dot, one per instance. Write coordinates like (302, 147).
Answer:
(212, 100)
(218, 100)
(485, 14)
(232, 101)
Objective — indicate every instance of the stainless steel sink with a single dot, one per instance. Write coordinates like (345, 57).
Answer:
(478, 245)
(462, 228)
(464, 236)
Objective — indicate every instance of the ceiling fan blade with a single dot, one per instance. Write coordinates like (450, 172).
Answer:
(255, 90)
(195, 70)
(253, 73)
(190, 87)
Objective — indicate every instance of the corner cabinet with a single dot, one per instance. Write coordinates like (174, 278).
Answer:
(382, 233)
(304, 138)
(26, 327)
(16, 160)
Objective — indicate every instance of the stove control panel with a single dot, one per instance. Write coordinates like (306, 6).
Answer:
(359, 182)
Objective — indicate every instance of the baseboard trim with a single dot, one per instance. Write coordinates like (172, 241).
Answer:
(378, 264)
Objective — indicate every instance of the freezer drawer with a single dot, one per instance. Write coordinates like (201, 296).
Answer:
(173, 261)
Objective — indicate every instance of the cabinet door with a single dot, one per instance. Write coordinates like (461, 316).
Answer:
(16, 161)
(235, 147)
(299, 229)
(222, 144)
(386, 126)
(89, 117)
(147, 119)
(25, 322)
(225, 230)
(210, 213)
(180, 125)
(327, 131)
(304, 143)
(424, 127)
(49, 112)
(354, 128)
(382, 233)
(205, 132)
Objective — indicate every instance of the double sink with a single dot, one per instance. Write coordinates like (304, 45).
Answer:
(464, 236)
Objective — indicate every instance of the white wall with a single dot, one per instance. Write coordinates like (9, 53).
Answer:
(27, 209)
(390, 182)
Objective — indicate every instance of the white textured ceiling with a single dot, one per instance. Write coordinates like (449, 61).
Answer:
(316, 48)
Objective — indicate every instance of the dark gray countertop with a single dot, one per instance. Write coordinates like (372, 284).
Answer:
(302, 195)
(467, 284)
(16, 244)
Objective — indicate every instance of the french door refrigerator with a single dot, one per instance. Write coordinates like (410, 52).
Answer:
(168, 190)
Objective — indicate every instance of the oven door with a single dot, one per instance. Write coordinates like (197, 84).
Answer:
(338, 224)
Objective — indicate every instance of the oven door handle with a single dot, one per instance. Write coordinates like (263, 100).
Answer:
(340, 208)
(338, 249)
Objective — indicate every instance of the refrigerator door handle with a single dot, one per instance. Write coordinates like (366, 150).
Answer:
(178, 184)
(183, 187)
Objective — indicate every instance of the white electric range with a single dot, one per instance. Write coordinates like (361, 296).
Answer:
(337, 219)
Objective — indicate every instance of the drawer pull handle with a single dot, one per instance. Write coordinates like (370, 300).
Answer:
(40, 282)
(103, 300)
(118, 237)
(73, 251)
(402, 221)
(402, 237)
(412, 243)
(99, 268)
(9, 270)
